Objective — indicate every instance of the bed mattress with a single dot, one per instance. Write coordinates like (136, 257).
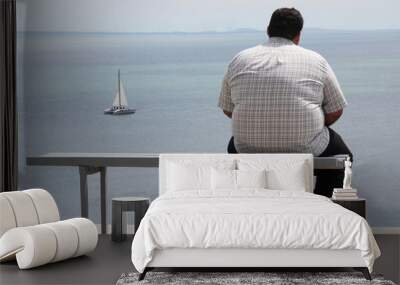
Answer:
(250, 219)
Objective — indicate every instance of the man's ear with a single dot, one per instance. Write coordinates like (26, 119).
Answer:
(296, 39)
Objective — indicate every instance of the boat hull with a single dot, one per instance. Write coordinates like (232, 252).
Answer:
(108, 112)
(120, 112)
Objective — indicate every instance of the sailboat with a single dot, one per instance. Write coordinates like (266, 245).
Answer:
(120, 103)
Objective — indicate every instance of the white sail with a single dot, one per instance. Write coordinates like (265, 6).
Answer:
(120, 98)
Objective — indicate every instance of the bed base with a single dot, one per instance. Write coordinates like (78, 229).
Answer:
(241, 259)
(363, 270)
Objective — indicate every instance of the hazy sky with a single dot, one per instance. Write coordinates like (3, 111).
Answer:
(199, 15)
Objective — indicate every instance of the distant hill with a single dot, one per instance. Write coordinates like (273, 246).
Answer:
(245, 30)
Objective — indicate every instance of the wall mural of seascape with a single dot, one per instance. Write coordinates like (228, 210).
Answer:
(172, 80)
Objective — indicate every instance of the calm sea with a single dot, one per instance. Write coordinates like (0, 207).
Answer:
(173, 80)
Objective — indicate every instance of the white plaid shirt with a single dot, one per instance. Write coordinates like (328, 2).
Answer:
(278, 94)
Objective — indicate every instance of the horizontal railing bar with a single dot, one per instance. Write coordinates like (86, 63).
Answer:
(138, 160)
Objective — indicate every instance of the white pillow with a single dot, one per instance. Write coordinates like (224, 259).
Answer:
(251, 178)
(228, 179)
(292, 179)
(281, 174)
(188, 177)
(223, 179)
(191, 174)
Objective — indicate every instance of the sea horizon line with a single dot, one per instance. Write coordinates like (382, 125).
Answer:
(234, 31)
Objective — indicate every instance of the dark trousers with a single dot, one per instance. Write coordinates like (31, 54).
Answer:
(327, 179)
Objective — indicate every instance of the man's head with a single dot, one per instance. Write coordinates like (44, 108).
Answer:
(286, 23)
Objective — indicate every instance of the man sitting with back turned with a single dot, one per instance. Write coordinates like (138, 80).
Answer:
(282, 98)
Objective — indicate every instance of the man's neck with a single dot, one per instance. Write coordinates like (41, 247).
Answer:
(280, 41)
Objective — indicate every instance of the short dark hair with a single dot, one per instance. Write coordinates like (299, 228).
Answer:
(285, 23)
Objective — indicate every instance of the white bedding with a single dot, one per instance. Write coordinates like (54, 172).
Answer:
(250, 219)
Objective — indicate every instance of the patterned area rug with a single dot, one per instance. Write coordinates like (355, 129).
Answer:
(244, 278)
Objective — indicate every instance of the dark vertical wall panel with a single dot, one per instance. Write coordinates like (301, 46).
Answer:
(8, 98)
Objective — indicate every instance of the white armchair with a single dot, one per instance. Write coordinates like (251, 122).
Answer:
(31, 231)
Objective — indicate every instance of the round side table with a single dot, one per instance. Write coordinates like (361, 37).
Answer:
(139, 205)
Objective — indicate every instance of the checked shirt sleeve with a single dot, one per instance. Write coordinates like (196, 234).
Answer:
(225, 99)
(334, 99)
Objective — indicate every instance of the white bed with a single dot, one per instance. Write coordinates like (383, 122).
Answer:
(202, 220)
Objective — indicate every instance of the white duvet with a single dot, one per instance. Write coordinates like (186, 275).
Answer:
(250, 219)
